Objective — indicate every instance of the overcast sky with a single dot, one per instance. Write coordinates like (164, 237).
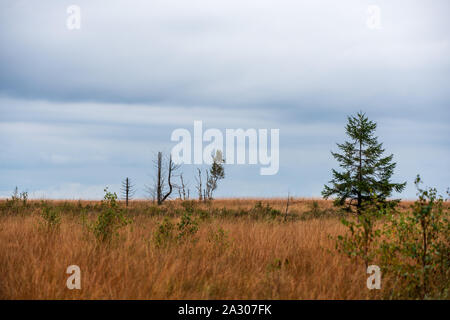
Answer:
(83, 109)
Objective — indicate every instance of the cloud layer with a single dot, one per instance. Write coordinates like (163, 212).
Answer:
(82, 109)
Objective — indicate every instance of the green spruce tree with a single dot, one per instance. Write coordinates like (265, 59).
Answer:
(366, 172)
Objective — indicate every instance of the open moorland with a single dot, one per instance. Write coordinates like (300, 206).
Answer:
(221, 249)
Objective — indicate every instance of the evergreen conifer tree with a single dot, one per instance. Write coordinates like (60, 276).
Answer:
(366, 171)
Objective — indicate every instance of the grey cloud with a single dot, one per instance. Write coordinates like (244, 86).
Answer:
(81, 109)
(283, 54)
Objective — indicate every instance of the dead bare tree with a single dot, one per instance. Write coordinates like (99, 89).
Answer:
(159, 181)
(182, 188)
(287, 207)
(127, 190)
(199, 184)
(165, 173)
(209, 187)
(162, 195)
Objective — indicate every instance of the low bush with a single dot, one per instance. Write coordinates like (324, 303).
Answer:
(52, 218)
(261, 211)
(164, 233)
(110, 220)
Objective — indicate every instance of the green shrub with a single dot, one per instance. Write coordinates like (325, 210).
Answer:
(202, 214)
(188, 205)
(412, 248)
(164, 233)
(313, 212)
(416, 249)
(219, 238)
(52, 218)
(362, 235)
(259, 210)
(226, 213)
(17, 202)
(111, 218)
(187, 226)
(24, 198)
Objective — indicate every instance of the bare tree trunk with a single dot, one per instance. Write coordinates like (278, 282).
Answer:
(208, 187)
(127, 190)
(199, 185)
(287, 208)
(183, 187)
(172, 167)
(159, 181)
(161, 178)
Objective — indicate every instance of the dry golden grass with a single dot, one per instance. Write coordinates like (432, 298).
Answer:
(264, 260)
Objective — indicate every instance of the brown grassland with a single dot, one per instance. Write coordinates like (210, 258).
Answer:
(255, 258)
